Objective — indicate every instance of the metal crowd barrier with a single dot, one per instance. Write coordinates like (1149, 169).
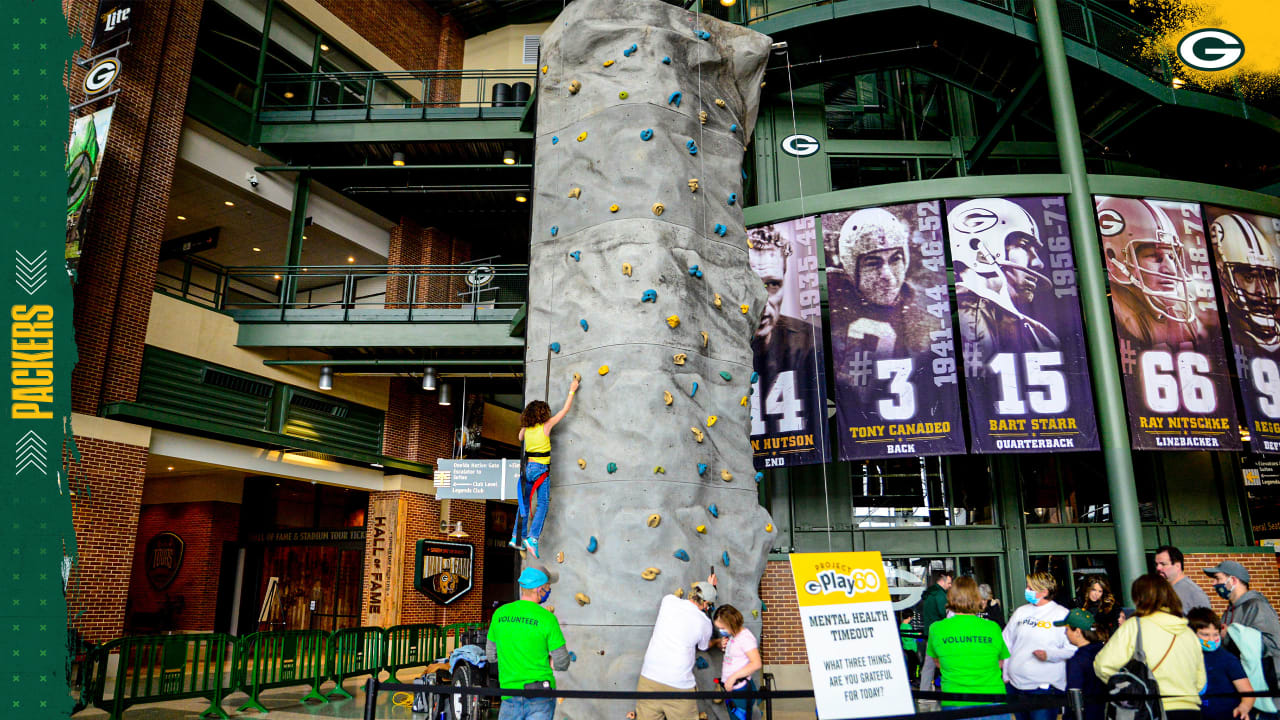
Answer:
(353, 652)
(157, 668)
(268, 660)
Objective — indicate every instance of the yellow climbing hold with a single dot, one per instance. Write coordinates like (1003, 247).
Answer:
(725, 475)
(705, 338)
(667, 398)
(716, 302)
(574, 87)
(744, 308)
(673, 321)
(654, 520)
(679, 592)
(679, 358)
(544, 69)
(560, 556)
(659, 470)
(697, 434)
(693, 184)
(702, 116)
(613, 208)
(658, 208)
(582, 599)
(701, 528)
(711, 420)
(577, 377)
(768, 527)
(604, 370)
(744, 401)
(750, 244)
(755, 613)
(582, 136)
(608, 63)
(582, 464)
(575, 193)
(626, 269)
(650, 573)
(719, 102)
(622, 95)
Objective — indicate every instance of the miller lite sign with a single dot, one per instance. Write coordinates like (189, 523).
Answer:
(114, 18)
(443, 570)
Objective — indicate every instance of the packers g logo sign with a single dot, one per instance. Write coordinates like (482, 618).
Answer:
(850, 584)
(1210, 49)
(1110, 222)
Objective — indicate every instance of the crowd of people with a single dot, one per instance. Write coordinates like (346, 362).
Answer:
(1202, 665)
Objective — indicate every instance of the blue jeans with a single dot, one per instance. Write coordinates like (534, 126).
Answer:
(1046, 713)
(521, 708)
(532, 471)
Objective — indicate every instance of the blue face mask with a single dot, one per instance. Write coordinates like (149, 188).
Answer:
(1222, 590)
(723, 633)
(1030, 595)
(1210, 645)
(544, 596)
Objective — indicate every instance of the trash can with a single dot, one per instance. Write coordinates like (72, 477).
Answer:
(501, 95)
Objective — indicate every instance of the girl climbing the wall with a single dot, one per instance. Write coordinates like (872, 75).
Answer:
(536, 423)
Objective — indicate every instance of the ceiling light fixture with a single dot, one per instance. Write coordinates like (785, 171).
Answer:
(508, 157)
(458, 532)
(288, 95)
(324, 48)
(169, 468)
(326, 378)
(728, 3)
(446, 395)
(182, 217)
(257, 249)
(429, 379)
(351, 258)
(228, 203)
(277, 277)
(397, 159)
(520, 197)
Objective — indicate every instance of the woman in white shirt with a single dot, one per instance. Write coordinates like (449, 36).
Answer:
(1038, 651)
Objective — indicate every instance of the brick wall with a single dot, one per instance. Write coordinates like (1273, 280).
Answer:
(410, 32)
(126, 223)
(1263, 574)
(417, 427)
(781, 637)
(104, 513)
(203, 527)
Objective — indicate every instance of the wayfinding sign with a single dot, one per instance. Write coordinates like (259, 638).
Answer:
(477, 479)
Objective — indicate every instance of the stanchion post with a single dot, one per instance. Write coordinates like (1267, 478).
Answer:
(371, 698)
(1075, 701)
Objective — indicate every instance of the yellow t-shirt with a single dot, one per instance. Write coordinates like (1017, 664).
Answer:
(537, 445)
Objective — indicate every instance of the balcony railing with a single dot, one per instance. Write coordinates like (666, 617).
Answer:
(403, 95)
(353, 293)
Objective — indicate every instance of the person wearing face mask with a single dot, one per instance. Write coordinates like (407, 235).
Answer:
(741, 658)
(522, 636)
(1223, 670)
(1250, 609)
(1038, 651)
(683, 627)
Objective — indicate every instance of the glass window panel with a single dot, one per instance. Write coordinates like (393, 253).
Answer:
(920, 492)
(847, 172)
(1040, 490)
(1056, 565)
(227, 51)
(292, 42)
(865, 107)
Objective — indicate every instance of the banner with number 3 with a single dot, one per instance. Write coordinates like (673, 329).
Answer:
(1172, 354)
(1021, 336)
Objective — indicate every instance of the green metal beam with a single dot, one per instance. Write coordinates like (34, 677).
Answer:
(363, 131)
(1108, 394)
(376, 335)
(384, 362)
(344, 168)
(982, 149)
(297, 226)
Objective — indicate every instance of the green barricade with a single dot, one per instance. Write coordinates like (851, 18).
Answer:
(412, 646)
(160, 668)
(454, 632)
(353, 652)
(266, 660)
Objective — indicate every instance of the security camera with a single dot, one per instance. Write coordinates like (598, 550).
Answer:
(253, 179)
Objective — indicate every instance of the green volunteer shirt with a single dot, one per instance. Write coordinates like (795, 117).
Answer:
(969, 650)
(525, 633)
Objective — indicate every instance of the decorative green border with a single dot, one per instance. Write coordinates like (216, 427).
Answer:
(35, 528)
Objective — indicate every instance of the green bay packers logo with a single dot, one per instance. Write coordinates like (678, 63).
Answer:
(101, 75)
(79, 171)
(443, 570)
(1210, 49)
(1110, 222)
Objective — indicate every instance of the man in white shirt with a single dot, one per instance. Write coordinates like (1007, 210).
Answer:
(683, 627)
(1038, 650)
(1169, 565)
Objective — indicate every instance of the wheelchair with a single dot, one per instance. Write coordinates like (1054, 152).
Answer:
(460, 706)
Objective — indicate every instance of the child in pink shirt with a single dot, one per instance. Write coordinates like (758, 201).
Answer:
(741, 658)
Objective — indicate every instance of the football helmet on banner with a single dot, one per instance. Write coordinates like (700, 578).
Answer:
(1142, 250)
(877, 233)
(1250, 275)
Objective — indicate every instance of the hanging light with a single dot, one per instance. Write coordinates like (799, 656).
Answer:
(397, 159)
(728, 3)
(446, 395)
(508, 157)
(458, 532)
(429, 379)
(521, 197)
(326, 378)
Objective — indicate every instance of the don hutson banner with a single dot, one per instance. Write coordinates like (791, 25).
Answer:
(1021, 337)
(1172, 355)
(897, 390)
(788, 396)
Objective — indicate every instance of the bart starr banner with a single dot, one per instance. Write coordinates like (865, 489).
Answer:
(1172, 354)
(897, 390)
(788, 390)
(1021, 337)
(1247, 250)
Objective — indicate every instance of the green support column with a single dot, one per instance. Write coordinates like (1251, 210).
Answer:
(1108, 395)
(297, 226)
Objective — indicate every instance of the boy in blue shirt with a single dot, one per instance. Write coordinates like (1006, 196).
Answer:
(1222, 669)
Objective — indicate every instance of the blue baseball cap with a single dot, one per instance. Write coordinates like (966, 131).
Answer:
(533, 577)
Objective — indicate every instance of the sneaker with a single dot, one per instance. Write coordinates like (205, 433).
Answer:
(531, 544)
(513, 544)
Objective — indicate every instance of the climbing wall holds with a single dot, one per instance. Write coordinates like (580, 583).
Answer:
(659, 470)
(702, 469)
(630, 51)
(692, 147)
(555, 230)
(650, 573)
(673, 322)
(666, 61)
(759, 476)
(725, 558)
(573, 656)
(649, 296)
(754, 614)
(583, 323)
(577, 377)
(611, 468)
(582, 136)
(626, 269)
(705, 337)
(768, 527)
(613, 208)
(604, 370)
(693, 184)
(712, 419)
(592, 544)
(704, 35)
(725, 374)
(622, 94)
(582, 599)
(554, 347)
(733, 198)
(726, 476)
(574, 87)
(702, 116)
(679, 591)
(554, 139)
(646, 134)
(715, 511)
(716, 301)
(560, 556)
(745, 308)
(544, 69)
(734, 128)
(719, 102)
(701, 663)
(674, 98)
(755, 378)
(702, 529)
(575, 193)
(582, 464)
(667, 398)
(680, 555)
(693, 390)
(720, 228)
(694, 271)
(576, 255)
(658, 208)
(608, 63)
(697, 434)
(654, 520)
(679, 358)
(744, 402)
(750, 244)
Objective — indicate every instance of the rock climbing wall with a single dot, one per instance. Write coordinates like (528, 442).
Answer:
(639, 281)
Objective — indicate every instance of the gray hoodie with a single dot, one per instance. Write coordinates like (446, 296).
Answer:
(1253, 610)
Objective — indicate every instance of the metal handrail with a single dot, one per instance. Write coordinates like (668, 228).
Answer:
(356, 91)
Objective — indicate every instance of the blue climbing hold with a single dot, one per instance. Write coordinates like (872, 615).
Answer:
(702, 468)
(715, 511)
(674, 98)
(611, 468)
(666, 60)
(592, 544)
(576, 255)
(693, 147)
(733, 198)
(693, 270)
(680, 555)
(755, 378)
(762, 607)
(555, 347)
(646, 134)
(573, 656)
(699, 275)
(555, 230)
(554, 139)
(630, 51)
(725, 374)
(725, 558)
(759, 476)
(583, 323)
(649, 296)
(704, 35)
(701, 663)
(720, 229)
(694, 391)
(734, 128)
(744, 174)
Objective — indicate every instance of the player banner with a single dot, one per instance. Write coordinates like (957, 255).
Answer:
(788, 389)
(1172, 354)
(1246, 248)
(897, 390)
(1021, 336)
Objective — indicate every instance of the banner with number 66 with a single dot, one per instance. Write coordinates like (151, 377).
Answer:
(1021, 336)
(897, 390)
(1172, 354)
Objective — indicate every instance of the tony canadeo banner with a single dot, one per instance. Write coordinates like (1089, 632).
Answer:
(1021, 337)
(1172, 354)
(788, 398)
(897, 390)
(1247, 250)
